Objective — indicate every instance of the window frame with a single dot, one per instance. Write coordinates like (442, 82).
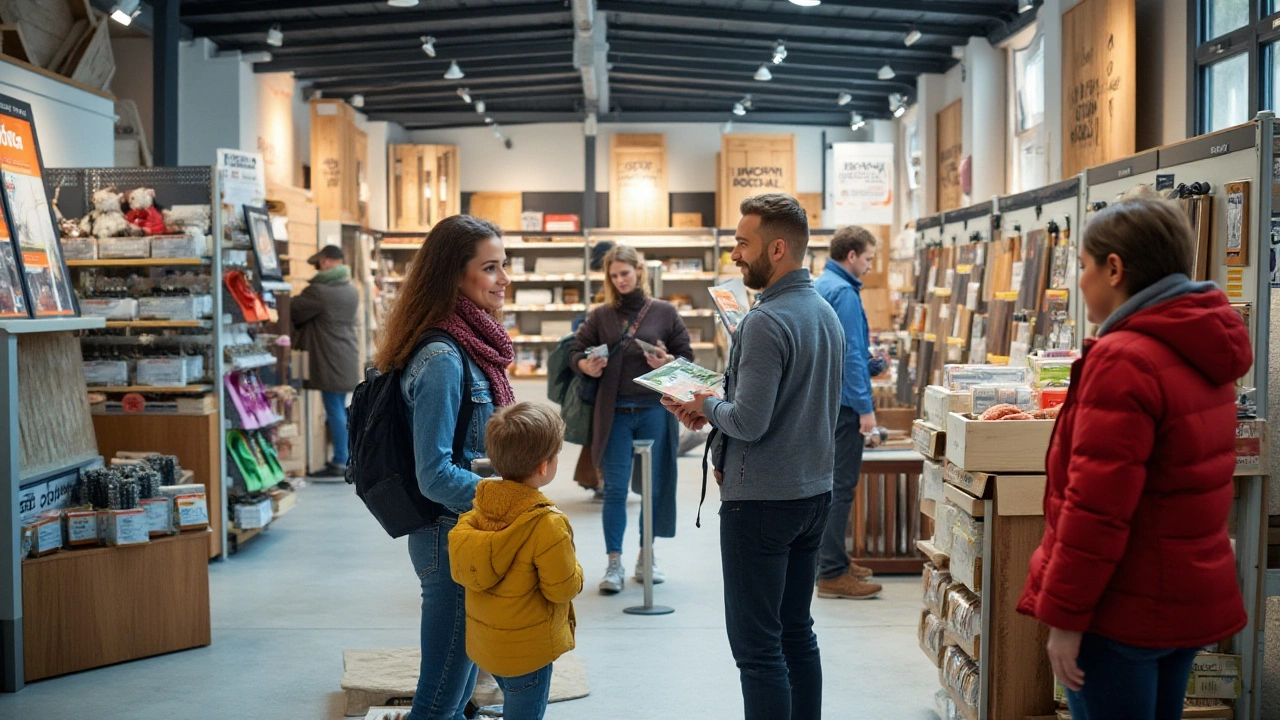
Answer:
(1252, 40)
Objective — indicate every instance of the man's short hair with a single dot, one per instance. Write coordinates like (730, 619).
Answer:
(781, 217)
(853, 239)
(521, 437)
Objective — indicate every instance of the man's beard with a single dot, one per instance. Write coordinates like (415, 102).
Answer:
(758, 273)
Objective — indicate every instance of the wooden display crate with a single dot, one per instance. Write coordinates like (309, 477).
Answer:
(928, 440)
(998, 446)
(940, 402)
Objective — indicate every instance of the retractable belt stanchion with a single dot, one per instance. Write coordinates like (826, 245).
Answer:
(644, 448)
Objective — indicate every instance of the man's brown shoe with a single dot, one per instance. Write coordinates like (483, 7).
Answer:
(848, 587)
(858, 571)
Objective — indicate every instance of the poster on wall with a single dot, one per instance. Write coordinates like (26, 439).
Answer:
(863, 183)
(30, 219)
(753, 165)
(1099, 90)
(950, 130)
(242, 181)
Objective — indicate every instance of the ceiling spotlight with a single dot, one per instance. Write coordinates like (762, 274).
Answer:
(806, 3)
(275, 36)
(488, 120)
(779, 53)
(480, 107)
(429, 45)
(843, 98)
(739, 109)
(747, 101)
(465, 94)
(126, 11)
(454, 72)
(402, 3)
(913, 37)
(856, 121)
(898, 104)
(357, 100)
(727, 127)
(763, 74)
(886, 72)
(902, 110)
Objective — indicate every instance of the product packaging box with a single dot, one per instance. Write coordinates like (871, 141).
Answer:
(190, 507)
(175, 307)
(124, 527)
(1253, 449)
(282, 501)
(124, 248)
(80, 526)
(159, 516)
(561, 223)
(1215, 676)
(997, 445)
(928, 440)
(531, 221)
(106, 372)
(931, 481)
(46, 535)
(110, 308)
(80, 248)
(940, 402)
(254, 514)
(163, 372)
(179, 246)
(559, 265)
(533, 296)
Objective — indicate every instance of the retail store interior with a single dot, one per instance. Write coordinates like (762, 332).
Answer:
(189, 184)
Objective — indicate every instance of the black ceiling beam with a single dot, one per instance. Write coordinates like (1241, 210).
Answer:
(962, 8)
(922, 50)
(491, 106)
(795, 59)
(780, 78)
(412, 120)
(362, 81)
(488, 93)
(662, 91)
(782, 19)
(233, 8)
(511, 15)
(445, 43)
(429, 120)
(724, 104)
(741, 88)
(410, 57)
(479, 89)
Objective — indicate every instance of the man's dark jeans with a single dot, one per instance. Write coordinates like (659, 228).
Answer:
(769, 552)
(833, 560)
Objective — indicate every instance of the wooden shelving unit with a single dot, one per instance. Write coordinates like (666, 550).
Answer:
(157, 324)
(157, 389)
(139, 262)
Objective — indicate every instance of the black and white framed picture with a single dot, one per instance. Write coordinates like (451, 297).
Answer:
(264, 243)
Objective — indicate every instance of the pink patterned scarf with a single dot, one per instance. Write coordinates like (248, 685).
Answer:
(488, 344)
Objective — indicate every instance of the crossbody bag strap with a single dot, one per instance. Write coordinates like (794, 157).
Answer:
(630, 334)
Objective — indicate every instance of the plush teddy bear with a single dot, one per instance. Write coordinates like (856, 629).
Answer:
(106, 220)
(143, 212)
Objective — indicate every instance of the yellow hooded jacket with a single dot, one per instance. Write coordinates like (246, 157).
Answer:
(515, 557)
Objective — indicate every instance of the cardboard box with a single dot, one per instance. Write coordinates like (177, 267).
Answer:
(931, 481)
(998, 445)
(190, 507)
(124, 248)
(940, 402)
(1253, 449)
(560, 223)
(255, 514)
(179, 246)
(928, 440)
(159, 516)
(80, 527)
(124, 527)
(46, 535)
(80, 248)
(1215, 676)
(110, 308)
(106, 372)
(176, 307)
(282, 501)
(163, 372)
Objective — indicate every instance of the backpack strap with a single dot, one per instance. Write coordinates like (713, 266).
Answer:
(467, 409)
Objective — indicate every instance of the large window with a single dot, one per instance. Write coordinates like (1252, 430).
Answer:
(1236, 65)
(1028, 155)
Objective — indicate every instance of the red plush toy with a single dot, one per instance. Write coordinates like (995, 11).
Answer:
(143, 213)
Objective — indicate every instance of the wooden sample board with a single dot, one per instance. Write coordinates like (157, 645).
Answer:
(812, 204)
(502, 208)
(753, 165)
(88, 608)
(950, 147)
(639, 198)
(193, 438)
(1099, 84)
(335, 184)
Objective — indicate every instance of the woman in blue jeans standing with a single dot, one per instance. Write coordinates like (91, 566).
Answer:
(624, 411)
(458, 284)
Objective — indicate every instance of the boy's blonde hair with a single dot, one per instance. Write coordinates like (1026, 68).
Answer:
(521, 437)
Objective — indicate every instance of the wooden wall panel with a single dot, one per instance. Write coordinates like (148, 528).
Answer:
(754, 165)
(334, 179)
(1099, 83)
(503, 208)
(363, 190)
(950, 148)
(639, 198)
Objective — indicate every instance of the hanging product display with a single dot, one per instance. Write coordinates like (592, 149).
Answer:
(264, 244)
(30, 215)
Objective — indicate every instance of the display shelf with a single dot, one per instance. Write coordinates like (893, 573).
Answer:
(535, 339)
(572, 307)
(703, 346)
(538, 278)
(252, 364)
(400, 247)
(156, 389)
(126, 324)
(138, 262)
(697, 313)
(936, 556)
(47, 325)
(545, 245)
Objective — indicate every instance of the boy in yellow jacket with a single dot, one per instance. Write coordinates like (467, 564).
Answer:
(514, 555)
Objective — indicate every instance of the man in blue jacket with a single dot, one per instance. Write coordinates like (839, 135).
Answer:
(853, 249)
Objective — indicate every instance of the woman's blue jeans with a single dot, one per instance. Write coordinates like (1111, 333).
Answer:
(525, 697)
(447, 676)
(630, 424)
(1124, 682)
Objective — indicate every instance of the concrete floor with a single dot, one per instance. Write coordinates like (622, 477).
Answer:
(326, 578)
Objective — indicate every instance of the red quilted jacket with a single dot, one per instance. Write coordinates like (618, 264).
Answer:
(1135, 544)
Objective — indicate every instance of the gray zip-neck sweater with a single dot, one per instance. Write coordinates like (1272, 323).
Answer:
(782, 388)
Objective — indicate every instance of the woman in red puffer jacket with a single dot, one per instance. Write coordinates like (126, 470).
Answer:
(1136, 572)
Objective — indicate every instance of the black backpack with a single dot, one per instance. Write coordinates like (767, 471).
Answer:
(380, 441)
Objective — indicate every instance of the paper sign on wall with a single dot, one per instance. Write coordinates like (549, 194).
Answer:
(863, 183)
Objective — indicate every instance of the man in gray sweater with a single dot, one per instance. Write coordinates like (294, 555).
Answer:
(774, 451)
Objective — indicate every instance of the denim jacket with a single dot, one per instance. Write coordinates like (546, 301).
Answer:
(432, 387)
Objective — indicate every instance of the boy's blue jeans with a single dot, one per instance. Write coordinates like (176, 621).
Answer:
(525, 697)
(1124, 682)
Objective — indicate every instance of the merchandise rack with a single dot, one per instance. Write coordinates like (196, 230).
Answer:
(525, 321)
(188, 436)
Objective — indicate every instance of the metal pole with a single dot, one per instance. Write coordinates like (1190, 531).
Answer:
(644, 448)
(12, 676)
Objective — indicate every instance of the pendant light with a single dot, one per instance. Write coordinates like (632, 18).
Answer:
(763, 74)
(454, 72)
(886, 72)
(429, 45)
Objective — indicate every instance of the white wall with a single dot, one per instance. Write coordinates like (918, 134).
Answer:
(209, 103)
(75, 128)
(1162, 72)
(986, 119)
(934, 92)
(380, 135)
(548, 157)
(133, 79)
